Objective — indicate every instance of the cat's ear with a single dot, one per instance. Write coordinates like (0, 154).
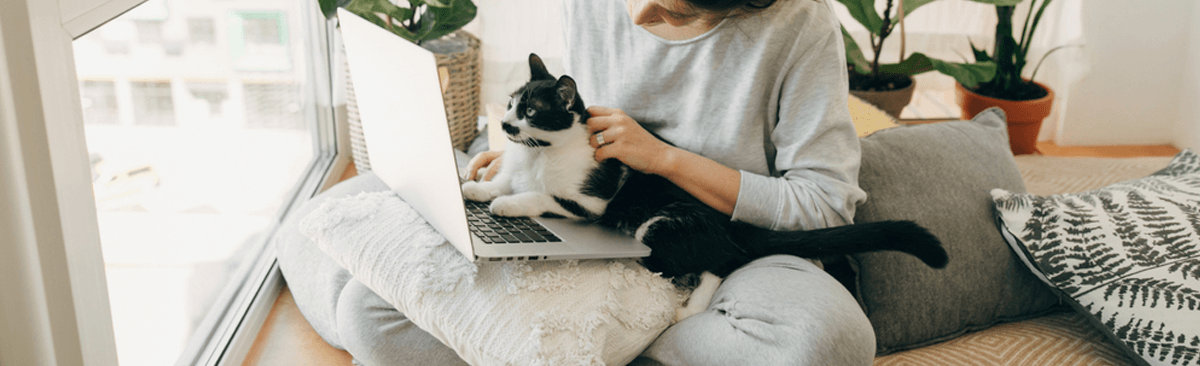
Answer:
(537, 69)
(566, 90)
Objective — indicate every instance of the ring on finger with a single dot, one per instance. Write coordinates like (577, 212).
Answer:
(600, 138)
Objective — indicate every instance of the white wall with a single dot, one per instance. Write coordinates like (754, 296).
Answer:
(1187, 130)
(1133, 92)
(509, 31)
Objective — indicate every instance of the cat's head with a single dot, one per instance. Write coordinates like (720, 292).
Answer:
(545, 111)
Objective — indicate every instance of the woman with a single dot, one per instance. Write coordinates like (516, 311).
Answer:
(753, 96)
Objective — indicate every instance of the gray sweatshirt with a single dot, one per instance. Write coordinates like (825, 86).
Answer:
(763, 93)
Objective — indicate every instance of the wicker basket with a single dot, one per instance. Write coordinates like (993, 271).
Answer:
(462, 95)
(461, 99)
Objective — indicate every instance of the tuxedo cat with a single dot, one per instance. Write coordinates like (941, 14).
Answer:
(549, 169)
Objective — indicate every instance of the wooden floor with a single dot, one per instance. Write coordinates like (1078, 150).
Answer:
(287, 339)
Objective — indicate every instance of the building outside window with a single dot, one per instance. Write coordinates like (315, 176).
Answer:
(195, 158)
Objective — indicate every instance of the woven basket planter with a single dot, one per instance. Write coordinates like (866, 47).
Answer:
(461, 96)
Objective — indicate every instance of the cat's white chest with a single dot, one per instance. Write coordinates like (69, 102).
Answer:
(562, 170)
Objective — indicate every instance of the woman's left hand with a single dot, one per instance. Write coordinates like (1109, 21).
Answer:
(617, 136)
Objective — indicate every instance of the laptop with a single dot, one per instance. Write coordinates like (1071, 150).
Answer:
(408, 143)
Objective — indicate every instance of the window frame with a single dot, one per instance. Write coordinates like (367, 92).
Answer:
(62, 310)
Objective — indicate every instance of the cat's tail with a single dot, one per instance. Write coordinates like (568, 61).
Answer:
(901, 236)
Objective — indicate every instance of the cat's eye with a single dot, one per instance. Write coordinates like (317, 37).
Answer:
(529, 112)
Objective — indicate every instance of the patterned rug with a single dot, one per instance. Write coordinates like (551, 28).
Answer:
(1058, 339)
(1045, 175)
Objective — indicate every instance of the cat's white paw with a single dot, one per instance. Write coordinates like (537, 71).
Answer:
(512, 206)
(479, 192)
(700, 298)
(684, 312)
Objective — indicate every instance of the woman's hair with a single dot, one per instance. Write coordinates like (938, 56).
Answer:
(725, 5)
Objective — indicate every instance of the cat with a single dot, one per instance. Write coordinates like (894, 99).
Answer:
(549, 169)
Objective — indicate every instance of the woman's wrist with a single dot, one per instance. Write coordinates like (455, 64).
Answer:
(669, 161)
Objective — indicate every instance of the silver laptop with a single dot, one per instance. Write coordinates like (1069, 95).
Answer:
(408, 144)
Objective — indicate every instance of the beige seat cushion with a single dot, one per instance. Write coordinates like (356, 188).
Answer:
(867, 118)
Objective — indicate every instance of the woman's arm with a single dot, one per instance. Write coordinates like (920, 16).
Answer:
(624, 139)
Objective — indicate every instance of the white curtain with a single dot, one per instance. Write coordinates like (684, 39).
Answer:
(511, 30)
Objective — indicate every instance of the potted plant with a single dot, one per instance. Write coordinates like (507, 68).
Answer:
(890, 86)
(436, 26)
(1025, 101)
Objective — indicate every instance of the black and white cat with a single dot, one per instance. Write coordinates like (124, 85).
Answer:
(549, 169)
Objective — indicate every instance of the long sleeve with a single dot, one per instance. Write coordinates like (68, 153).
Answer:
(816, 147)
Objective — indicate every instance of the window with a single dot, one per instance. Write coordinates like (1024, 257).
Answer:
(194, 162)
(260, 41)
(153, 104)
(261, 31)
(149, 31)
(213, 95)
(99, 102)
(272, 105)
(202, 30)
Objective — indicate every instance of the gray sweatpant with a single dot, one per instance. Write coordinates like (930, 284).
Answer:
(778, 310)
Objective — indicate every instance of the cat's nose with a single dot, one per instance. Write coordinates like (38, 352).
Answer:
(510, 129)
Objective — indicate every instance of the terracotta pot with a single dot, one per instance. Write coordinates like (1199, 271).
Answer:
(1024, 116)
(891, 101)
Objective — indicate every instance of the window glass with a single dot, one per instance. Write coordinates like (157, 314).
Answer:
(199, 119)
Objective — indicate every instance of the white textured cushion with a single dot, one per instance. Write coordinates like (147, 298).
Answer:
(590, 312)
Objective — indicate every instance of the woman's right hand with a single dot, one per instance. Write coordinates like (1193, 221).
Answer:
(488, 161)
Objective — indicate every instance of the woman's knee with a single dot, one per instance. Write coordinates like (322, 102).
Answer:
(377, 334)
(779, 310)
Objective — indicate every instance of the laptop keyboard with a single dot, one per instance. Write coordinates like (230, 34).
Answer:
(503, 230)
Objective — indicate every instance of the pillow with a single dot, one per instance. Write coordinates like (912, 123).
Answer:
(512, 313)
(939, 175)
(1126, 255)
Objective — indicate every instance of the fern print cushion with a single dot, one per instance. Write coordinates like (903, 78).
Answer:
(1128, 255)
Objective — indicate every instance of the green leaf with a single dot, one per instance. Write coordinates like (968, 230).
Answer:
(999, 2)
(372, 9)
(911, 5)
(854, 54)
(328, 7)
(917, 63)
(969, 75)
(437, 22)
(980, 55)
(864, 12)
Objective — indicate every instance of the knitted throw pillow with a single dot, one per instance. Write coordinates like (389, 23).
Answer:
(515, 313)
(1126, 255)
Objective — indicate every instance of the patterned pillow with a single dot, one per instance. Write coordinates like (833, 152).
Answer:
(1128, 255)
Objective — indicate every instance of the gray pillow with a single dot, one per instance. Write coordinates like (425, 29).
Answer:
(940, 176)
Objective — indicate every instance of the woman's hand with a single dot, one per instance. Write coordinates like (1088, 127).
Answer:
(617, 136)
(490, 160)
